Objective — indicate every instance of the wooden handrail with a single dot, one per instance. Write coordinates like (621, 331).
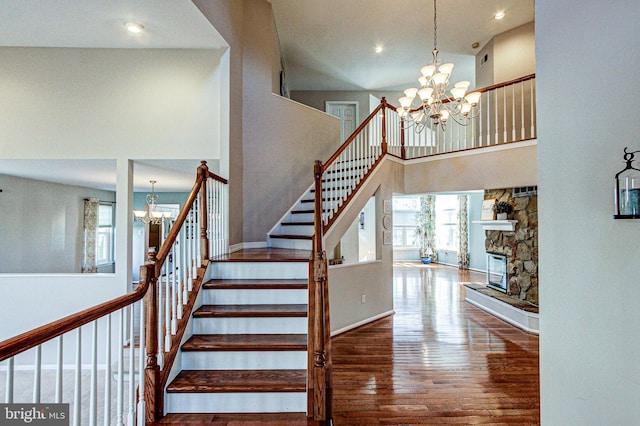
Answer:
(344, 146)
(42, 334)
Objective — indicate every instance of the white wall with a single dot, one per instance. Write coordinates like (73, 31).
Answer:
(589, 316)
(104, 104)
(41, 225)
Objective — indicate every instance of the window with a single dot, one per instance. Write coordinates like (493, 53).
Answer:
(106, 233)
(447, 222)
(405, 209)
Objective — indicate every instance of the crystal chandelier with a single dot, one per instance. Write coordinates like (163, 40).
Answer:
(433, 104)
(150, 215)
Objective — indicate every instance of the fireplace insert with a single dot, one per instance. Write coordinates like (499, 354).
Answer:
(497, 271)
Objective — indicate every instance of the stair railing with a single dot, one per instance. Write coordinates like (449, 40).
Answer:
(506, 114)
(137, 353)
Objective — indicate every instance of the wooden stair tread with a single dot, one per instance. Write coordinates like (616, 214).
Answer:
(296, 223)
(246, 342)
(212, 381)
(302, 211)
(257, 284)
(229, 311)
(292, 236)
(264, 419)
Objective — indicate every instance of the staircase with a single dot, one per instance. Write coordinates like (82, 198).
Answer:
(248, 350)
(295, 229)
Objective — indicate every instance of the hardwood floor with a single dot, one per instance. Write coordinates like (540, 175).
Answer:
(437, 361)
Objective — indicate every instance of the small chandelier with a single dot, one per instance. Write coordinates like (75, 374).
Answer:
(149, 215)
(434, 105)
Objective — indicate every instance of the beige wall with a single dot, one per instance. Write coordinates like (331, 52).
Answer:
(511, 55)
(589, 316)
(347, 283)
(503, 166)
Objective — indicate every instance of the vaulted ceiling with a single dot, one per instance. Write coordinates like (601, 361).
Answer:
(330, 44)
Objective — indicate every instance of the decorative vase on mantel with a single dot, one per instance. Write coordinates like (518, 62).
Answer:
(501, 216)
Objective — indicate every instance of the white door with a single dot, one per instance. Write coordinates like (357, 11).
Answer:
(347, 112)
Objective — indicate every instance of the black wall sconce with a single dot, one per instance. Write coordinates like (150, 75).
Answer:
(627, 195)
(361, 220)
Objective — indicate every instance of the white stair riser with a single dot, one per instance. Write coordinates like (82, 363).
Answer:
(254, 297)
(244, 360)
(259, 402)
(306, 230)
(260, 270)
(250, 325)
(292, 244)
(301, 217)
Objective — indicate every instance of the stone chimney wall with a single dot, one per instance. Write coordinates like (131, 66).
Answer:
(520, 246)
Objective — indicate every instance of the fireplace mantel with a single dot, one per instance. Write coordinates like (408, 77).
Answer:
(497, 225)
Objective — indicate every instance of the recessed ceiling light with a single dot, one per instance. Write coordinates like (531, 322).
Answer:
(500, 15)
(134, 27)
(379, 48)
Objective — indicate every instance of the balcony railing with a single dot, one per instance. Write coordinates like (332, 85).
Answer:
(506, 113)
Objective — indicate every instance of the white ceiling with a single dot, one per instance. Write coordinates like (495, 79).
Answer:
(100, 24)
(329, 44)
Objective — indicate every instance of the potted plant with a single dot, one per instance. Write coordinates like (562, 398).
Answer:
(502, 209)
(425, 229)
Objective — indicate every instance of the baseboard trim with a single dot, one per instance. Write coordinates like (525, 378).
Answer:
(527, 321)
(245, 246)
(361, 323)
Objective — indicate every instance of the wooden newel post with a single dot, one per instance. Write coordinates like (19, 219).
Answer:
(384, 126)
(403, 150)
(321, 366)
(152, 370)
(204, 216)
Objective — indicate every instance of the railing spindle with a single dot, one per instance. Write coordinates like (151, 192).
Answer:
(9, 384)
(93, 384)
(132, 373)
(37, 375)
(141, 364)
(107, 373)
(59, 369)
(77, 385)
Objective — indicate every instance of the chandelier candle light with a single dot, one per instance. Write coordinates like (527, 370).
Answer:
(150, 215)
(434, 105)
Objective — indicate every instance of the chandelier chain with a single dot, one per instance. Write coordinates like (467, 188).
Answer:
(435, 26)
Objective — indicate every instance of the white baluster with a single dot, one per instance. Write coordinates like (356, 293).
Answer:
(120, 376)
(107, 374)
(177, 271)
(77, 386)
(9, 384)
(132, 373)
(167, 310)
(93, 390)
(198, 245)
(183, 261)
(513, 112)
(59, 371)
(522, 132)
(504, 113)
(160, 308)
(496, 114)
(141, 365)
(533, 117)
(174, 291)
(37, 375)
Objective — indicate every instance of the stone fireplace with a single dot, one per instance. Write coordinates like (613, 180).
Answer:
(520, 246)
